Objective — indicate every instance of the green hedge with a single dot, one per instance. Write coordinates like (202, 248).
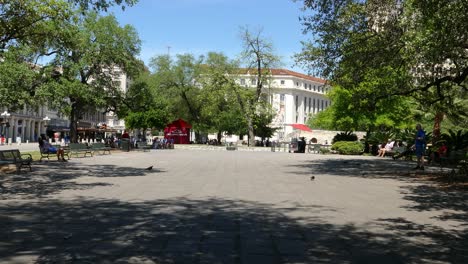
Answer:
(348, 147)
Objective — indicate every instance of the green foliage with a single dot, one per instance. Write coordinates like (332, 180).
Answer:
(348, 147)
(323, 119)
(51, 29)
(90, 55)
(379, 137)
(258, 55)
(176, 81)
(154, 118)
(455, 140)
(325, 150)
(389, 57)
(262, 119)
(349, 112)
(345, 136)
(17, 81)
(143, 107)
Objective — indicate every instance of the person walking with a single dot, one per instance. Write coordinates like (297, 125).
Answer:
(420, 146)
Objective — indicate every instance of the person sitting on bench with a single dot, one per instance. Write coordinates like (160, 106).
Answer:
(46, 147)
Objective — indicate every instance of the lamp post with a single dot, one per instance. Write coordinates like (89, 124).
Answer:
(46, 119)
(5, 115)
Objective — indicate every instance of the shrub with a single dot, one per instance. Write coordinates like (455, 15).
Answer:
(455, 140)
(348, 147)
(345, 136)
(324, 150)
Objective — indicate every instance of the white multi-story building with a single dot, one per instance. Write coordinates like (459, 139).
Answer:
(122, 80)
(294, 97)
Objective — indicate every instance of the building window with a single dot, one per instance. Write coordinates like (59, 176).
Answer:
(253, 81)
(310, 100)
(305, 105)
(282, 98)
(310, 86)
(282, 82)
(314, 87)
(297, 83)
(313, 107)
(323, 89)
(297, 103)
(242, 81)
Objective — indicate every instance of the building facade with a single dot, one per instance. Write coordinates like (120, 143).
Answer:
(294, 96)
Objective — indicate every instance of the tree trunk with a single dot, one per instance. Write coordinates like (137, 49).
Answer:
(251, 131)
(439, 117)
(218, 136)
(73, 124)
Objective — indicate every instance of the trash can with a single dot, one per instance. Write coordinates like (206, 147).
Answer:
(293, 146)
(125, 145)
(273, 145)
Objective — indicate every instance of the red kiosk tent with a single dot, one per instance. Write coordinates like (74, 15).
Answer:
(179, 131)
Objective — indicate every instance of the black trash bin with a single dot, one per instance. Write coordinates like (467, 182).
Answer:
(125, 144)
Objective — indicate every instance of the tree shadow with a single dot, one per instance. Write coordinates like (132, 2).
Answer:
(213, 230)
(356, 167)
(49, 178)
(424, 196)
(454, 203)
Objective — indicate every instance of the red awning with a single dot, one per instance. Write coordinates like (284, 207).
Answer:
(301, 127)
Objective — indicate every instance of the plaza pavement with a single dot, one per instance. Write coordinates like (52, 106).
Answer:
(217, 206)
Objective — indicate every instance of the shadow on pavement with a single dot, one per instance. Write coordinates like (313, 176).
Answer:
(214, 230)
(357, 167)
(425, 196)
(50, 178)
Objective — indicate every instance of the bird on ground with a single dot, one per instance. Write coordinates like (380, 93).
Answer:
(312, 178)
(149, 168)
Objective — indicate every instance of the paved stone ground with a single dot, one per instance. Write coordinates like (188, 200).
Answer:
(208, 206)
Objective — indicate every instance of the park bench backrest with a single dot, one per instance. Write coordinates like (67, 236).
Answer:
(11, 154)
(75, 146)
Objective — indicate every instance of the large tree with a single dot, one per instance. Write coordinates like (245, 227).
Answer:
(29, 30)
(420, 44)
(89, 57)
(259, 58)
(143, 106)
(177, 80)
(220, 111)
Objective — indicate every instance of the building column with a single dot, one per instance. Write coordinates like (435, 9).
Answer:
(11, 134)
(27, 131)
(40, 128)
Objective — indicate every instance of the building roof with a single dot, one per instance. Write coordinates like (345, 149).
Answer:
(284, 72)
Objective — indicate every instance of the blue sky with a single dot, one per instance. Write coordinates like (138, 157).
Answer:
(200, 26)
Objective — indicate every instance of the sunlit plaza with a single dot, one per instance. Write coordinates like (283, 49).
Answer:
(216, 206)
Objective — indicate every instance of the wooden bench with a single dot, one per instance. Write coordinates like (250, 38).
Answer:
(395, 151)
(14, 157)
(313, 148)
(100, 148)
(143, 145)
(80, 148)
(66, 150)
(47, 154)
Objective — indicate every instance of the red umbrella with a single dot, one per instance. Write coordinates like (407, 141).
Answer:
(301, 127)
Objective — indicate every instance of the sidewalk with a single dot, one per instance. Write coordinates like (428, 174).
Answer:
(201, 206)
